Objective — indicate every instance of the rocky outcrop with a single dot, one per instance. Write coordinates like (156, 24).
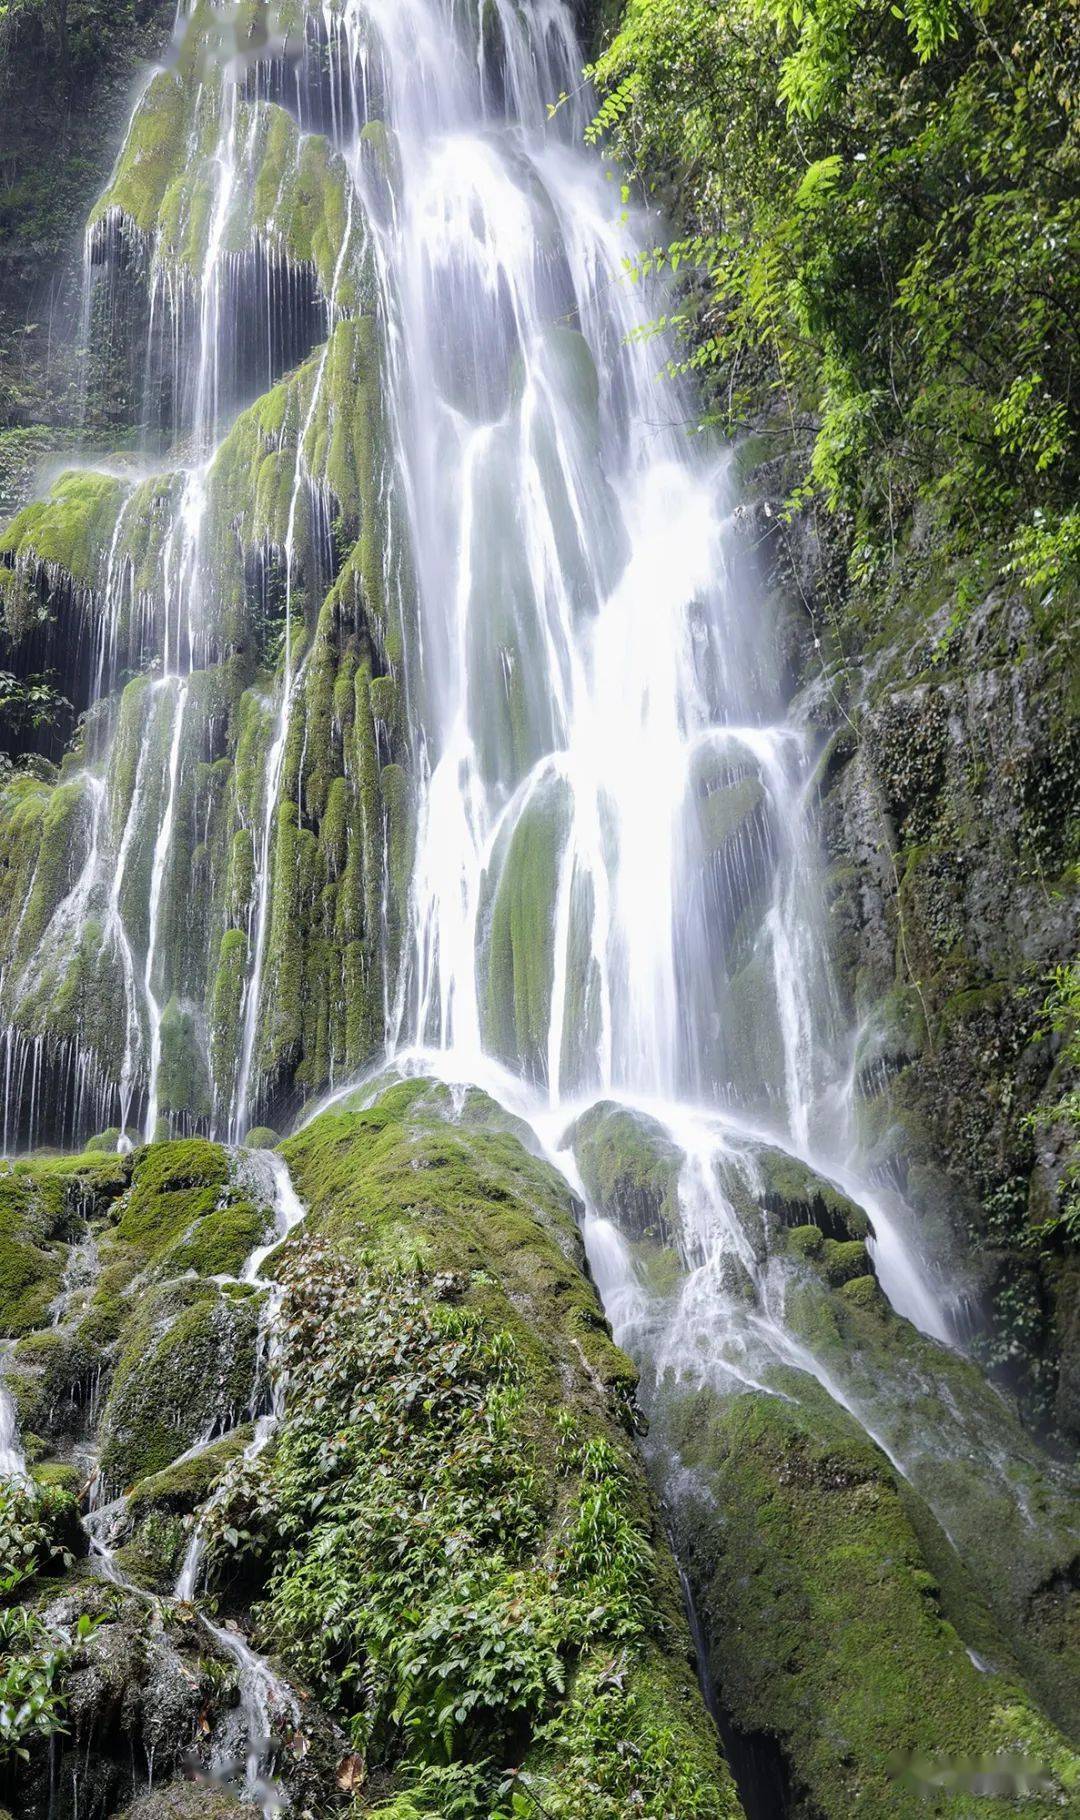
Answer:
(950, 814)
(447, 1547)
(882, 1564)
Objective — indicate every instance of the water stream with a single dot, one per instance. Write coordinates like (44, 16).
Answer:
(265, 1701)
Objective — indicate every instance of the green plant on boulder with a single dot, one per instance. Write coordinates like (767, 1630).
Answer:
(464, 1559)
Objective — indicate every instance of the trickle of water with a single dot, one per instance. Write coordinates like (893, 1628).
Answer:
(12, 1457)
(162, 850)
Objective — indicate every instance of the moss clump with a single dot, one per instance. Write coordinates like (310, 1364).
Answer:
(161, 1506)
(460, 1540)
(218, 1246)
(798, 1196)
(261, 1137)
(34, 1215)
(839, 1261)
(173, 1185)
(825, 1625)
(150, 154)
(55, 1373)
(186, 1211)
(184, 1077)
(187, 1363)
(724, 813)
(630, 1168)
(71, 530)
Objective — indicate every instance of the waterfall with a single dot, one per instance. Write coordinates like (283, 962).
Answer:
(596, 675)
(436, 722)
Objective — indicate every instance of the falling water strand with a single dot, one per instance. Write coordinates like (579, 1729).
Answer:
(12, 1458)
(162, 850)
(264, 1699)
(263, 1694)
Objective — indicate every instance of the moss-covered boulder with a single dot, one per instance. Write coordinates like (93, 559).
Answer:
(129, 1324)
(187, 1365)
(187, 1801)
(774, 1266)
(161, 1509)
(630, 1168)
(828, 1628)
(43, 1205)
(1009, 1510)
(454, 1520)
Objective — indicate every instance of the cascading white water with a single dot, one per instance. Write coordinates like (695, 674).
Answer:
(12, 1457)
(590, 670)
(616, 892)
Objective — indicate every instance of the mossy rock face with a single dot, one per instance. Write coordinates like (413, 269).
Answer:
(456, 1261)
(826, 1626)
(1008, 1510)
(519, 956)
(151, 1228)
(186, 1212)
(187, 1801)
(41, 1212)
(188, 1363)
(162, 1505)
(30, 1272)
(137, 1690)
(797, 1195)
(630, 1168)
(960, 1449)
(495, 1414)
(341, 831)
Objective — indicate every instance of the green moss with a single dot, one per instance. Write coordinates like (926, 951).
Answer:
(825, 1625)
(188, 1360)
(33, 1216)
(630, 1168)
(261, 1137)
(219, 1245)
(798, 1195)
(150, 154)
(489, 1451)
(70, 530)
(184, 1078)
(519, 961)
(161, 1506)
(173, 1185)
(724, 813)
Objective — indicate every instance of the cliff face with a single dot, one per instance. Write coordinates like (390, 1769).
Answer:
(857, 340)
(235, 234)
(951, 816)
(66, 70)
(946, 704)
(443, 1538)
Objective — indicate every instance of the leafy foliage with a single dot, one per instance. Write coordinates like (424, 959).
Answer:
(27, 1526)
(886, 225)
(31, 1698)
(31, 701)
(470, 1609)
